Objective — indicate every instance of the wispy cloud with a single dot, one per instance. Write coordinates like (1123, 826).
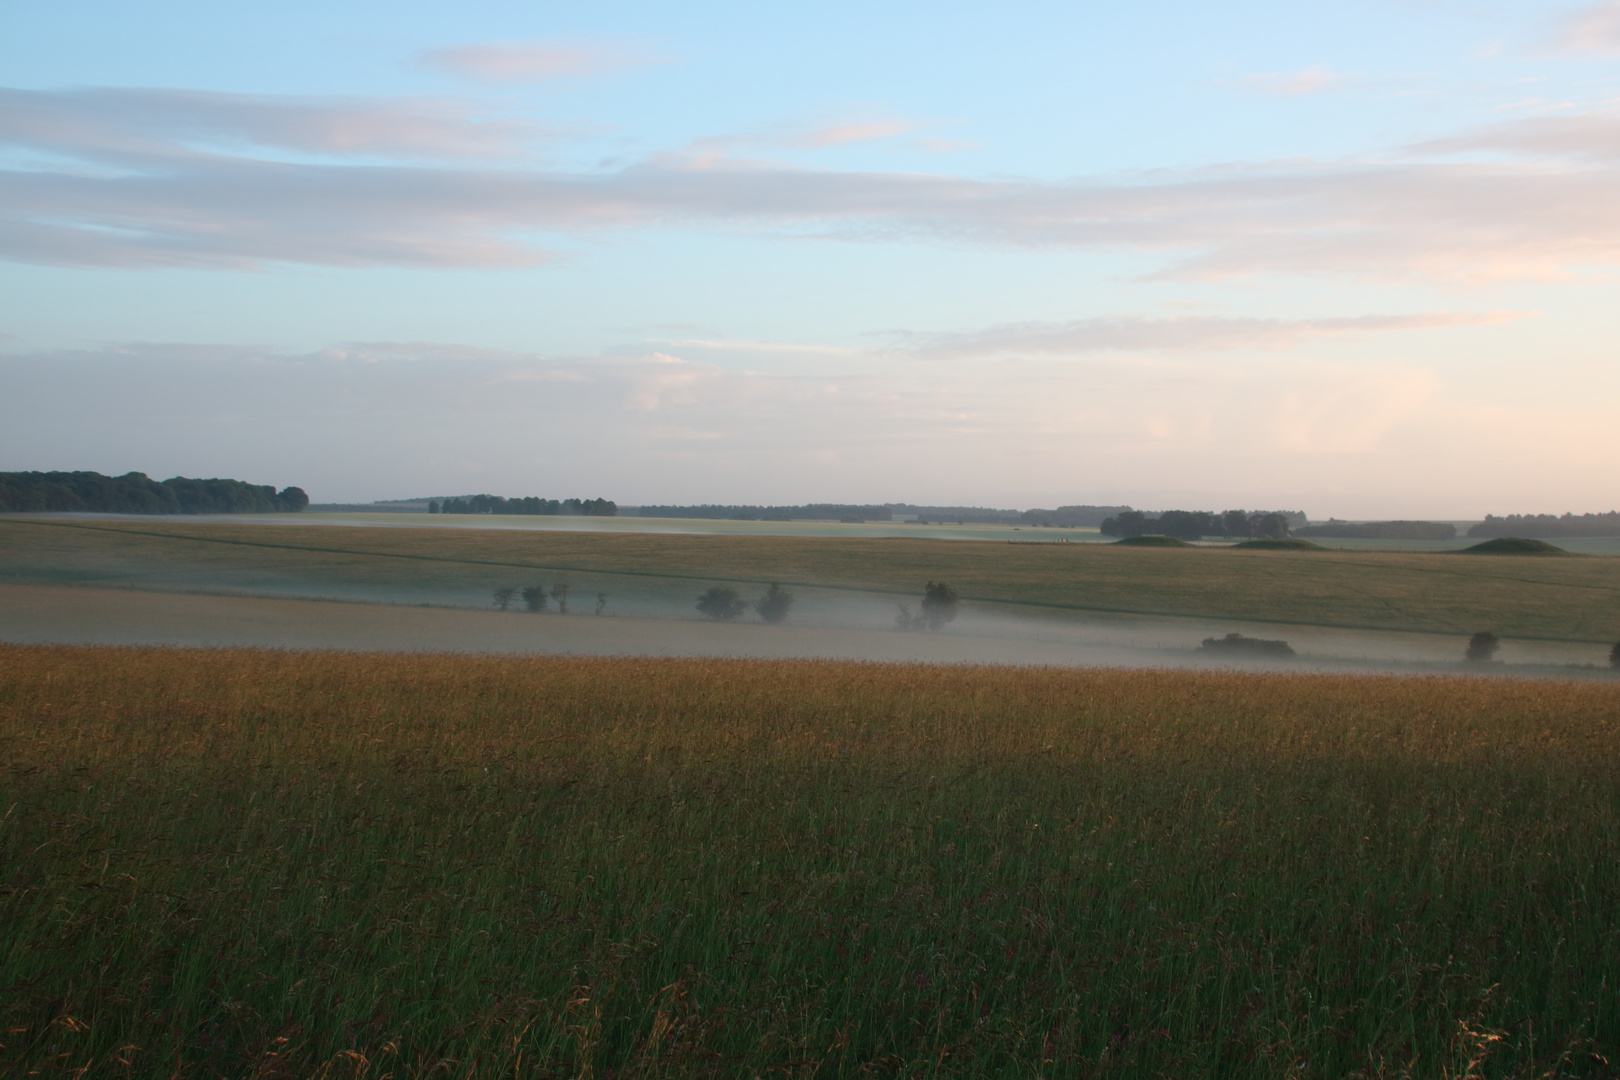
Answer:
(140, 127)
(1289, 84)
(1593, 136)
(1592, 29)
(124, 178)
(844, 134)
(1184, 333)
(537, 61)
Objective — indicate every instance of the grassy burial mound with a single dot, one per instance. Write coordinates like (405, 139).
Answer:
(1152, 540)
(1286, 544)
(1514, 545)
(267, 863)
(1551, 599)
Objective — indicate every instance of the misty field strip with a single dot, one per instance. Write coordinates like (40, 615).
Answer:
(1560, 599)
(259, 863)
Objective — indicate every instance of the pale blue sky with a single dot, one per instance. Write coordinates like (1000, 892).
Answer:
(1356, 258)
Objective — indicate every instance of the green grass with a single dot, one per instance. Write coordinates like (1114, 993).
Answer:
(278, 864)
(1152, 540)
(1552, 599)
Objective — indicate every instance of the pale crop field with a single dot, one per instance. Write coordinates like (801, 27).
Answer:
(262, 863)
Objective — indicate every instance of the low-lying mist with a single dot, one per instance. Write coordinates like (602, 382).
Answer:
(664, 622)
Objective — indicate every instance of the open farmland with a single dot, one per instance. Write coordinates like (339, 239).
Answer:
(261, 863)
(1571, 599)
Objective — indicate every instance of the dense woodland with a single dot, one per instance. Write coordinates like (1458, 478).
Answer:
(1542, 526)
(1197, 524)
(137, 493)
(494, 504)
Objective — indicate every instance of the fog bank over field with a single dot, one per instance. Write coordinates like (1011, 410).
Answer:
(853, 629)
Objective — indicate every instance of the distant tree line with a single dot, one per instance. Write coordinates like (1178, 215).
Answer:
(1063, 517)
(1549, 525)
(1072, 517)
(1381, 530)
(494, 504)
(1196, 524)
(137, 493)
(807, 512)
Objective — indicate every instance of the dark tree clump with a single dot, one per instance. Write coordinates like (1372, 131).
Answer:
(938, 605)
(534, 598)
(1482, 647)
(773, 606)
(136, 493)
(559, 593)
(721, 603)
(503, 596)
(1614, 657)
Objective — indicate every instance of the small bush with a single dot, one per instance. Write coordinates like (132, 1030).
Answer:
(721, 603)
(534, 598)
(1482, 647)
(1614, 657)
(1238, 645)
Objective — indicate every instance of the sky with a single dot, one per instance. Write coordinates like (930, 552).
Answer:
(1357, 259)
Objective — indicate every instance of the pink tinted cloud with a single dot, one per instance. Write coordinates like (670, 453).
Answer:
(844, 134)
(1311, 80)
(1594, 135)
(534, 61)
(1593, 29)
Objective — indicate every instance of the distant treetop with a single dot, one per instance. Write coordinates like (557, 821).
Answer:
(1549, 525)
(495, 504)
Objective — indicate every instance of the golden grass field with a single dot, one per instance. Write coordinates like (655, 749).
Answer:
(265, 863)
(1574, 599)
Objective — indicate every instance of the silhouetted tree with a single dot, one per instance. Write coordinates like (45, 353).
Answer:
(721, 603)
(433, 506)
(534, 597)
(773, 606)
(559, 593)
(1614, 657)
(1129, 523)
(1482, 646)
(938, 605)
(601, 602)
(1184, 524)
(1268, 527)
(503, 596)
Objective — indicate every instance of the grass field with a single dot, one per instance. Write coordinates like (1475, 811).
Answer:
(1572, 600)
(264, 863)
